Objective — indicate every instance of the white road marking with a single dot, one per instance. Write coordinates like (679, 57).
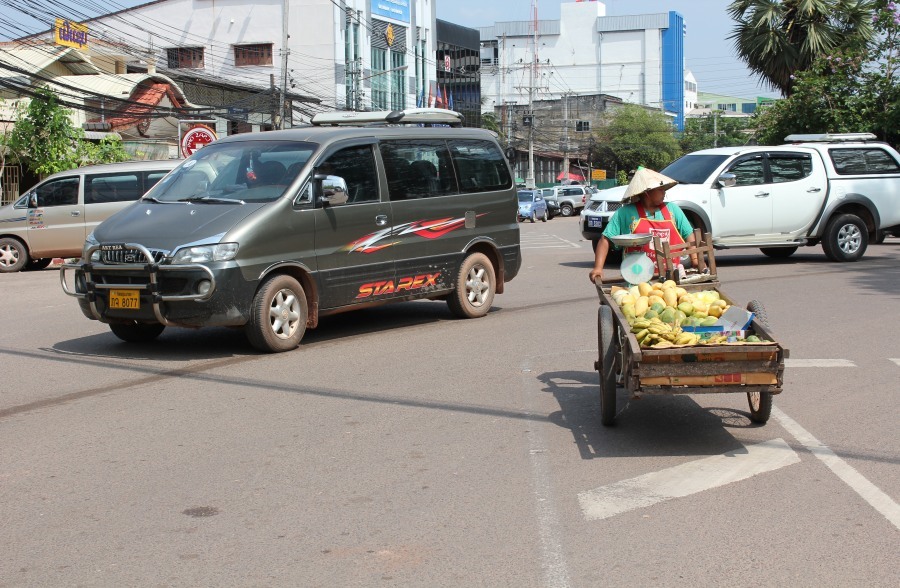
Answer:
(818, 363)
(685, 479)
(895, 360)
(866, 489)
(553, 559)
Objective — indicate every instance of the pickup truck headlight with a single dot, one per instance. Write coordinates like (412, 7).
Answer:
(205, 253)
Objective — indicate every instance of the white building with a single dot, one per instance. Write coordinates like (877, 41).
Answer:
(636, 58)
(320, 54)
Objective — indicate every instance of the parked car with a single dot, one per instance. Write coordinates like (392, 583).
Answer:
(532, 206)
(271, 231)
(837, 190)
(53, 218)
(570, 199)
(596, 214)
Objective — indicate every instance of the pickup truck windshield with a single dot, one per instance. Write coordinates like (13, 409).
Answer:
(693, 169)
(234, 173)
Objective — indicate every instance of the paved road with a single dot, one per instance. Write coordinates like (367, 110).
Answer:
(402, 447)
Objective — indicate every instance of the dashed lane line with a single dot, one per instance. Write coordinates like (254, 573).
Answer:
(895, 360)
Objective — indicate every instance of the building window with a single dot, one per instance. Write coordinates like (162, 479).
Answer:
(185, 57)
(380, 80)
(583, 126)
(398, 76)
(253, 54)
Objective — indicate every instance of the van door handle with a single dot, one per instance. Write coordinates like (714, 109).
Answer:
(762, 194)
(381, 220)
(75, 213)
(814, 190)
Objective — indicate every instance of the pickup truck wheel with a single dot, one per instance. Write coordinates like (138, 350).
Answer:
(778, 252)
(475, 287)
(133, 332)
(607, 365)
(278, 315)
(760, 402)
(846, 238)
(13, 255)
(566, 209)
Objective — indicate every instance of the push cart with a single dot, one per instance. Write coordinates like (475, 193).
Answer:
(755, 369)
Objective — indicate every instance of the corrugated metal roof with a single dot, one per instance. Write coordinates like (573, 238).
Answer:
(519, 28)
(120, 86)
(634, 22)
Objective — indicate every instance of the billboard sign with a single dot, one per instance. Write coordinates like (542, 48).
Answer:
(395, 9)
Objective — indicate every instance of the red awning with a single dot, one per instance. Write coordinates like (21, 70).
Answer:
(572, 176)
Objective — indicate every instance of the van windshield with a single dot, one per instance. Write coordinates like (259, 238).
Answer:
(235, 172)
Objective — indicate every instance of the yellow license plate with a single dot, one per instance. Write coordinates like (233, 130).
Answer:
(128, 299)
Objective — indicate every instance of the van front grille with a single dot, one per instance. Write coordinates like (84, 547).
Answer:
(130, 256)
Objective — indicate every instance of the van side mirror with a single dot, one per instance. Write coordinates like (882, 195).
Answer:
(727, 180)
(333, 191)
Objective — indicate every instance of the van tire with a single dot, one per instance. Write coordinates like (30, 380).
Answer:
(133, 332)
(475, 287)
(13, 255)
(278, 315)
(846, 238)
(38, 264)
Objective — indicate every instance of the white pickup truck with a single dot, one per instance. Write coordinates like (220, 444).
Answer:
(840, 190)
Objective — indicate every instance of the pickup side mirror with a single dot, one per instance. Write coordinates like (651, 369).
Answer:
(727, 180)
(333, 191)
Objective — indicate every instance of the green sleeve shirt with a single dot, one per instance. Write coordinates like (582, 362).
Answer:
(624, 219)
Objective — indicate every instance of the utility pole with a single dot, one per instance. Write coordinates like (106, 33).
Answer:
(285, 51)
(566, 135)
(529, 178)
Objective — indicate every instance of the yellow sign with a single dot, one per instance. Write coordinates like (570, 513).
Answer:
(70, 34)
(389, 35)
(598, 174)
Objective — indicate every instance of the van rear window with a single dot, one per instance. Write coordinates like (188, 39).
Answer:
(480, 166)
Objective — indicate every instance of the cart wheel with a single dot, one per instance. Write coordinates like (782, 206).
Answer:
(607, 365)
(760, 402)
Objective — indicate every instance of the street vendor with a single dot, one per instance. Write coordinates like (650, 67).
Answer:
(645, 211)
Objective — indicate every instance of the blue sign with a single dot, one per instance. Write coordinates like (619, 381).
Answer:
(395, 9)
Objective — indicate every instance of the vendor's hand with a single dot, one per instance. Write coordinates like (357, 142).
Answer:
(596, 275)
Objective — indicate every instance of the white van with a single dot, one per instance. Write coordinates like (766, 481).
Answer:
(53, 218)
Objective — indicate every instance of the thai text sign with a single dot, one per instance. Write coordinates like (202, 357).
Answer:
(70, 34)
(395, 9)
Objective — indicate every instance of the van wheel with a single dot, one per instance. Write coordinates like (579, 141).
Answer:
(846, 238)
(133, 332)
(278, 315)
(38, 264)
(566, 209)
(13, 255)
(475, 287)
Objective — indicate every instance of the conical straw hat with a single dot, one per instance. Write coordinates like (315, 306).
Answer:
(646, 179)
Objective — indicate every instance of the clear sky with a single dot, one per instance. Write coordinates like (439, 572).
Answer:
(708, 53)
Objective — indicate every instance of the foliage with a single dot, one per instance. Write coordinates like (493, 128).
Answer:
(631, 135)
(489, 121)
(714, 130)
(45, 139)
(777, 38)
(849, 91)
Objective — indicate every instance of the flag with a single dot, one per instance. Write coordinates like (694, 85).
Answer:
(450, 106)
(445, 99)
(430, 98)
(421, 102)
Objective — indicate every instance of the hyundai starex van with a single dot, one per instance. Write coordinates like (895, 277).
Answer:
(271, 231)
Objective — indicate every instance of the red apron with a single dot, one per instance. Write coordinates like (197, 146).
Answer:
(665, 229)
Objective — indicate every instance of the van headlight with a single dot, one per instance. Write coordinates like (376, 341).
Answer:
(89, 242)
(205, 253)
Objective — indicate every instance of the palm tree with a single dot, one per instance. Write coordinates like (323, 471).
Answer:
(778, 38)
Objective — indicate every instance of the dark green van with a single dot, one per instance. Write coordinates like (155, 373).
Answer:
(273, 230)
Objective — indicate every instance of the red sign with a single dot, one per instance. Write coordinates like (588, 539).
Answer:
(447, 63)
(197, 137)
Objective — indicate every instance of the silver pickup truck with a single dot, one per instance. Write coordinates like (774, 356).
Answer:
(838, 190)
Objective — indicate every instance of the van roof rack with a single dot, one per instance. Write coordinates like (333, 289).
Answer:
(830, 137)
(410, 116)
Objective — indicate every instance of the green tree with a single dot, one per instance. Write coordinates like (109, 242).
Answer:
(849, 91)
(45, 139)
(714, 130)
(631, 135)
(779, 38)
(489, 121)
